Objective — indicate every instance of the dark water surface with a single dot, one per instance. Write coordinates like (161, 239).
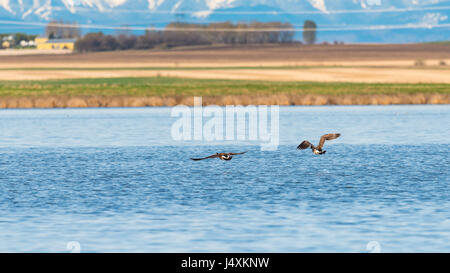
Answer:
(115, 180)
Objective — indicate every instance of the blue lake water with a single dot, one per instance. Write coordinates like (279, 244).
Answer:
(114, 180)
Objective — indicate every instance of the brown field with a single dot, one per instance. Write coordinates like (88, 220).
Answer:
(270, 55)
(26, 52)
(321, 63)
(370, 63)
(338, 74)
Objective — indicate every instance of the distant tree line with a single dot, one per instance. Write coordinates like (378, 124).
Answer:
(184, 34)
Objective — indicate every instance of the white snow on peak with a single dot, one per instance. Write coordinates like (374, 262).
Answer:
(202, 14)
(43, 10)
(431, 19)
(177, 5)
(5, 5)
(101, 4)
(70, 5)
(21, 5)
(369, 3)
(319, 4)
(212, 5)
(92, 3)
(202, 8)
(154, 4)
(217, 4)
(115, 3)
(30, 10)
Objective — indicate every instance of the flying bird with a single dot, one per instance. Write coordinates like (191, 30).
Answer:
(221, 156)
(317, 150)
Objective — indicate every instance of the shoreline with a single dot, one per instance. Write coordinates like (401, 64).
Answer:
(276, 99)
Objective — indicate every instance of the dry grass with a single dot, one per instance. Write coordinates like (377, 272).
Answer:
(329, 74)
(29, 52)
(279, 99)
(268, 55)
(328, 63)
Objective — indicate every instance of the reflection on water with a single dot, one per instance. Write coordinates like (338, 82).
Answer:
(113, 180)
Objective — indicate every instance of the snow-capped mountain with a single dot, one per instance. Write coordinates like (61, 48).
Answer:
(346, 20)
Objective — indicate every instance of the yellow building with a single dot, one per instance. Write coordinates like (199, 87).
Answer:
(44, 43)
(40, 40)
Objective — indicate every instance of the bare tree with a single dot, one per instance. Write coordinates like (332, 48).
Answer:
(309, 32)
(287, 35)
(61, 30)
(126, 41)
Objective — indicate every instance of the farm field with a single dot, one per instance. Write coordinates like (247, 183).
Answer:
(161, 91)
(284, 75)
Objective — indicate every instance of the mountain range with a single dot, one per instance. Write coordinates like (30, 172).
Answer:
(359, 21)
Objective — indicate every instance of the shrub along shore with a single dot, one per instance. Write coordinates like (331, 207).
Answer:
(142, 92)
(282, 99)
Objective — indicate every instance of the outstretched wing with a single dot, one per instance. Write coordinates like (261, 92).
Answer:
(304, 145)
(211, 156)
(237, 153)
(327, 137)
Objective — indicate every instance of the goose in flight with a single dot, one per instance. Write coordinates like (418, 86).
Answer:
(222, 156)
(317, 150)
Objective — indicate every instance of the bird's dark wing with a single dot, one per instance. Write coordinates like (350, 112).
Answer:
(211, 156)
(304, 145)
(237, 153)
(327, 137)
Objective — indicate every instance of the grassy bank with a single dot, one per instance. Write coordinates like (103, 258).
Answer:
(161, 91)
(413, 65)
(190, 87)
